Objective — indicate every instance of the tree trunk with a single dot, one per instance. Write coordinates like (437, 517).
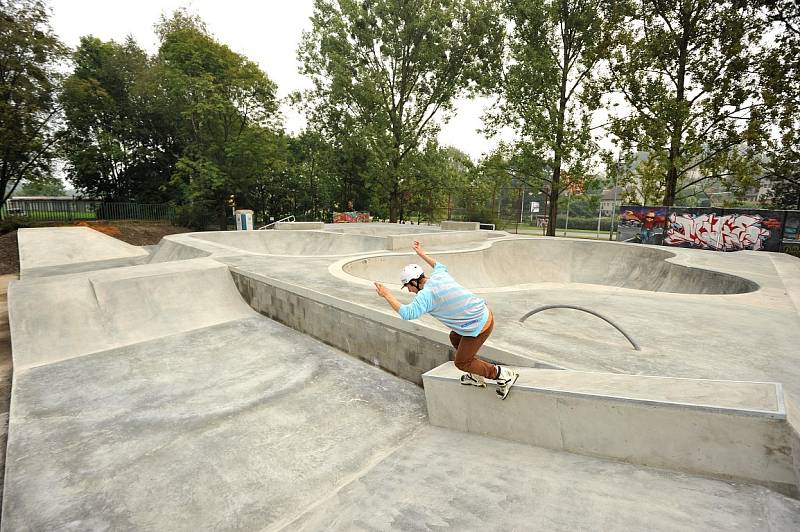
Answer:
(552, 208)
(675, 139)
(222, 217)
(394, 194)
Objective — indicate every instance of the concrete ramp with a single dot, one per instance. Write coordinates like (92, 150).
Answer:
(63, 317)
(46, 251)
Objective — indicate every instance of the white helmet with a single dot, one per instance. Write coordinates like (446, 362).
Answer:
(411, 272)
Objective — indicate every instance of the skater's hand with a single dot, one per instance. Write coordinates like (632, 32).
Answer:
(382, 290)
(421, 252)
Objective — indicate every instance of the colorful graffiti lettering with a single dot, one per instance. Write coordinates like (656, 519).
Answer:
(350, 217)
(731, 232)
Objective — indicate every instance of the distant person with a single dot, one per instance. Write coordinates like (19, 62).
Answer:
(466, 315)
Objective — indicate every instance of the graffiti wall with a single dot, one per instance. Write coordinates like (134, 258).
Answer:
(723, 230)
(710, 228)
(641, 225)
(791, 234)
(350, 217)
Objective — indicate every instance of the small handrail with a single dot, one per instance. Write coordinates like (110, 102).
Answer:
(289, 218)
(617, 327)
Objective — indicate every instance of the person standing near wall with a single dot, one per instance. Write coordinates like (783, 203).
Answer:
(467, 316)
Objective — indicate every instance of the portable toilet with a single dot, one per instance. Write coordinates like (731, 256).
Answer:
(244, 220)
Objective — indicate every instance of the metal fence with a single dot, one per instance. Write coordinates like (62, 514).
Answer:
(69, 209)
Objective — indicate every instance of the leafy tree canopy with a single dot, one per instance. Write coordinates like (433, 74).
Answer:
(389, 68)
(29, 57)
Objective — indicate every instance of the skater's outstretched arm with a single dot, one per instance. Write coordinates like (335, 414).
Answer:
(387, 295)
(422, 303)
(421, 252)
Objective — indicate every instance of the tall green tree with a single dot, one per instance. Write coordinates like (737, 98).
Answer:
(392, 68)
(554, 48)
(780, 90)
(111, 150)
(29, 57)
(222, 99)
(687, 71)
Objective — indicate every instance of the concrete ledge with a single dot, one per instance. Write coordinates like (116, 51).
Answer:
(405, 349)
(299, 226)
(723, 429)
(793, 417)
(449, 225)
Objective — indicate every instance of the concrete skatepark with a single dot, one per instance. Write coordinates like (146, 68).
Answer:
(254, 380)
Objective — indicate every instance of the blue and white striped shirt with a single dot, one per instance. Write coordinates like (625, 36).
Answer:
(449, 302)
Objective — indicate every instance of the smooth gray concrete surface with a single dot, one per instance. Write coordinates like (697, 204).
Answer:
(445, 480)
(61, 317)
(230, 427)
(293, 242)
(54, 250)
(200, 427)
(682, 426)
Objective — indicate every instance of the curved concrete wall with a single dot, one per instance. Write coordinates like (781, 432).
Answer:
(514, 262)
(298, 243)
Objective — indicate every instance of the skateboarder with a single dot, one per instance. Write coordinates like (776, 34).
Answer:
(467, 315)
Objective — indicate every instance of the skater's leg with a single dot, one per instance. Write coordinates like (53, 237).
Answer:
(455, 338)
(467, 349)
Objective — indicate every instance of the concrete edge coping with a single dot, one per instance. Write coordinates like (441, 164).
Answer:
(147, 269)
(82, 267)
(230, 251)
(337, 268)
(779, 414)
(390, 319)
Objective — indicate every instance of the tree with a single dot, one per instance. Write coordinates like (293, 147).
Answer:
(29, 57)
(222, 101)
(545, 87)
(780, 90)
(687, 71)
(47, 186)
(109, 149)
(437, 172)
(391, 68)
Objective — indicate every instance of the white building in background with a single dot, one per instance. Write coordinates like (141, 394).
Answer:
(610, 200)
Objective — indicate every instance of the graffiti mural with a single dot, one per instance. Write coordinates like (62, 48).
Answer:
(791, 234)
(724, 232)
(642, 225)
(350, 217)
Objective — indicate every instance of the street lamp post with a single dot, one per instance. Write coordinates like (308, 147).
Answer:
(614, 202)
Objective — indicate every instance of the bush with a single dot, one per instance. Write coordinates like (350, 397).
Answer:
(585, 222)
(195, 216)
(12, 223)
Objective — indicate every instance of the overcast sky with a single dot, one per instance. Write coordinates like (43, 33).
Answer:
(267, 32)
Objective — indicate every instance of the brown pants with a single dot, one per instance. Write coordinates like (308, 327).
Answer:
(467, 347)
